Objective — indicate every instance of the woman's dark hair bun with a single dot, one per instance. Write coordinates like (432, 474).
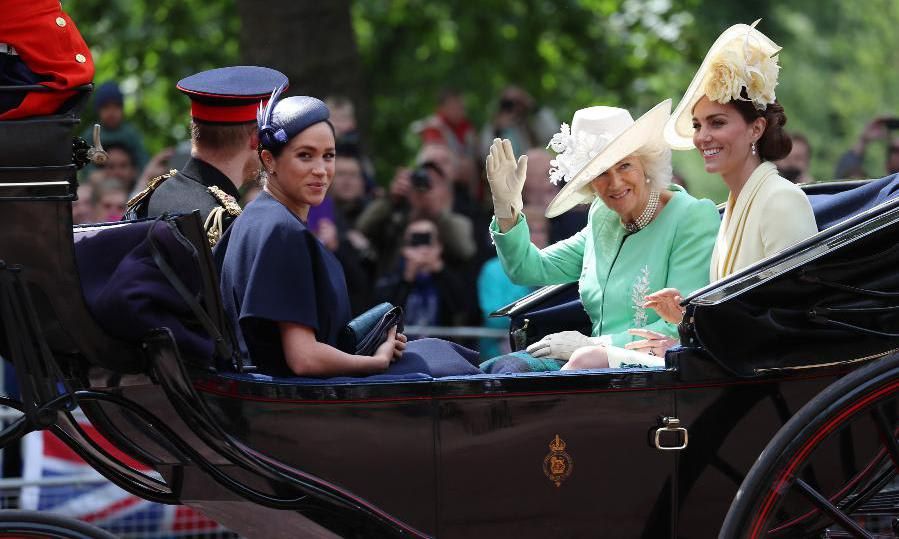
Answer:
(774, 143)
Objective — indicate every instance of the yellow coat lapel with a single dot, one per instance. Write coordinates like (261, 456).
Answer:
(736, 213)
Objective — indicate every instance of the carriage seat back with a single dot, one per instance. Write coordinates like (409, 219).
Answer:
(143, 275)
(832, 203)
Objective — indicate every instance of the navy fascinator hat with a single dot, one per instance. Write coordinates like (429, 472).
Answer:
(282, 120)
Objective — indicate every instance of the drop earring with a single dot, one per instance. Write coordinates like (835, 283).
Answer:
(753, 148)
(647, 180)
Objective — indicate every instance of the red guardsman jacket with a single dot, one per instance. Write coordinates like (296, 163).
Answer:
(50, 45)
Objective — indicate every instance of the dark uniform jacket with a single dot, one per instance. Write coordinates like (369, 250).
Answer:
(198, 186)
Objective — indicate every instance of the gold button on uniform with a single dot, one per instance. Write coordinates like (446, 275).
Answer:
(80, 58)
(60, 22)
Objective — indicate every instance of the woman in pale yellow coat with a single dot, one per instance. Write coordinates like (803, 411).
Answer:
(730, 115)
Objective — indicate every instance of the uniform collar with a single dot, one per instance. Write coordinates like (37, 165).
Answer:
(202, 172)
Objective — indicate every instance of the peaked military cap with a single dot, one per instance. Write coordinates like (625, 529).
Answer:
(230, 95)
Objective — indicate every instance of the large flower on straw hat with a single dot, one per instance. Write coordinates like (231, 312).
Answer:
(742, 65)
(760, 78)
(725, 78)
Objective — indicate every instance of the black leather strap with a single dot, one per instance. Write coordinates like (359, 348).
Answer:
(222, 346)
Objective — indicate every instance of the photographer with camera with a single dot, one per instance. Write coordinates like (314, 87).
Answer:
(852, 163)
(430, 291)
(423, 192)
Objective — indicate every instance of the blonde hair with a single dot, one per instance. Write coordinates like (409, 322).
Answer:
(656, 161)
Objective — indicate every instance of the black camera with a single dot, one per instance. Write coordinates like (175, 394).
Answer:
(419, 238)
(421, 179)
(508, 105)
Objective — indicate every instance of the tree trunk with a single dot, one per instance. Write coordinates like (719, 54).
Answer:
(310, 41)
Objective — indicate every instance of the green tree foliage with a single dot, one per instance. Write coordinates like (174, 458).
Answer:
(566, 53)
(839, 60)
(147, 46)
(840, 70)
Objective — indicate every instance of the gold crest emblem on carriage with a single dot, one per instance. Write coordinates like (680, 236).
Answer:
(558, 464)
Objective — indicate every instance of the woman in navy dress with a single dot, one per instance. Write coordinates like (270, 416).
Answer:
(283, 290)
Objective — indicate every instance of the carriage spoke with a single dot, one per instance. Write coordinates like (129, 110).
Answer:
(887, 435)
(831, 510)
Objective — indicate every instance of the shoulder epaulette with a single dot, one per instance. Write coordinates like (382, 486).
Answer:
(215, 221)
(225, 200)
(151, 186)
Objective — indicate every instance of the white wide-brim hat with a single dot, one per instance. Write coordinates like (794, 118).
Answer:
(679, 129)
(623, 136)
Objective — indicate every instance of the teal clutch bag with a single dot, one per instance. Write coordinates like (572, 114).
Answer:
(365, 333)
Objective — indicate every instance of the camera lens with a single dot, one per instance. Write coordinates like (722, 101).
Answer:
(420, 179)
(507, 104)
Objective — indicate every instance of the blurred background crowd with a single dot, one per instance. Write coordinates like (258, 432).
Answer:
(418, 90)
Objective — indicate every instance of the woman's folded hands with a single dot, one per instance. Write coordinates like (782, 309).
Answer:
(653, 343)
(561, 345)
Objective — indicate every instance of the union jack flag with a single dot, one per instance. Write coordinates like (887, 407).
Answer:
(70, 487)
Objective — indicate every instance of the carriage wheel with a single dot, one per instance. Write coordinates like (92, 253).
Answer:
(831, 470)
(34, 525)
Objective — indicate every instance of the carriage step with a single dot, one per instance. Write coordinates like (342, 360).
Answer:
(882, 503)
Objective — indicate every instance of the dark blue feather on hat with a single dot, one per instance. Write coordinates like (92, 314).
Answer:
(282, 120)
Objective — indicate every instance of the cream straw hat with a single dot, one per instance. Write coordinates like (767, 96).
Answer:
(599, 137)
(741, 58)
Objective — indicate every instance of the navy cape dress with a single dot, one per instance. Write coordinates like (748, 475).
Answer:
(273, 269)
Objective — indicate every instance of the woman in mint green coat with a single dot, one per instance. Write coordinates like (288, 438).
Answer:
(643, 234)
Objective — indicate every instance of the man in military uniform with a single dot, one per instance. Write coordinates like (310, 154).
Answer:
(224, 144)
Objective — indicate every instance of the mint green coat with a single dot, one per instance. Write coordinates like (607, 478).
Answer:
(615, 270)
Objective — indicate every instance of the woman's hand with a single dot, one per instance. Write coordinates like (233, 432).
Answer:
(561, 345)
(385, 354)
(656, 344)
(401, 185)
(506, 178)
(391, 349)
(666, 302)
(400, 347)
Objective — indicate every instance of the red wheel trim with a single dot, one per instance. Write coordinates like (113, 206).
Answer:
(825, 429)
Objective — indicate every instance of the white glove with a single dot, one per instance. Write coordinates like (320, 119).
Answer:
(506, 178)
(561, 345)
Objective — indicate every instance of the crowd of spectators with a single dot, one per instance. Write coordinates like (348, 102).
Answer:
(419, 240)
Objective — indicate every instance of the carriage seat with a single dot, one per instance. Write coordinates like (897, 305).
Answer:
(129, 295)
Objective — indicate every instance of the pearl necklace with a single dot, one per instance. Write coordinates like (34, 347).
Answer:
(649, 212)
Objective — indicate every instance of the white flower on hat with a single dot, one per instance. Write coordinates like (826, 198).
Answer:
(742, 64)
(573, 151)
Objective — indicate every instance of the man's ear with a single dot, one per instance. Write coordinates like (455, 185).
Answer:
(254, 140)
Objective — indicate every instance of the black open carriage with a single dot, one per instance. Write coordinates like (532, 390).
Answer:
(810, 334)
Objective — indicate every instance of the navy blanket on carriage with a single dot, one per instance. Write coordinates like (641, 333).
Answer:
(127, 293)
